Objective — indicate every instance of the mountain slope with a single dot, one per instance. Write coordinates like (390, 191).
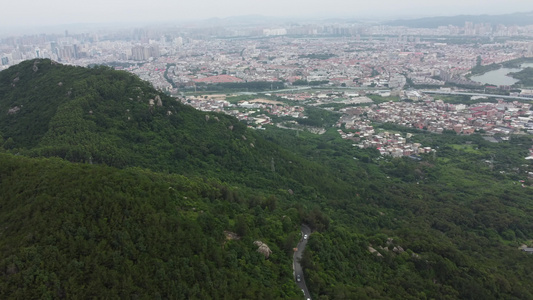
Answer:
(82, 231)
(100, 115)
(54, 106)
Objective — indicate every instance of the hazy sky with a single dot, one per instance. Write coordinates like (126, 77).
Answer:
(58, 12)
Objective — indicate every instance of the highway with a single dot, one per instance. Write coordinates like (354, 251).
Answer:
(477, 94)
(296, 262)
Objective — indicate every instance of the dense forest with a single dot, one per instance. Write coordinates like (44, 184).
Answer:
(111, 189)
(84, 231)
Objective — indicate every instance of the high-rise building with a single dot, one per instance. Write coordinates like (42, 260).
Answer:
(144, 53)
(75, 51)
(147, 53)
(5, 61)
(137, 53)
(53, 48)
(154, 51)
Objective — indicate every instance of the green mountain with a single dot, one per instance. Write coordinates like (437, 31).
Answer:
(110, 189)
(78, 231)
(102, 116)
(107, 117)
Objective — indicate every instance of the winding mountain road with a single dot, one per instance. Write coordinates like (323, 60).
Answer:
(306, 231)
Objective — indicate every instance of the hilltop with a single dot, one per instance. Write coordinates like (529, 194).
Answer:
(102, 116)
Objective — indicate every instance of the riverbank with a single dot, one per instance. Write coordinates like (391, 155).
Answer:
(507, 74)
(479, 70)
(524, 77)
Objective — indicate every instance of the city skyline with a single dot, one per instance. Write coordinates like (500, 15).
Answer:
(30, 14)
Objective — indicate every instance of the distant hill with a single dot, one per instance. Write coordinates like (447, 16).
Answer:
(520, 19)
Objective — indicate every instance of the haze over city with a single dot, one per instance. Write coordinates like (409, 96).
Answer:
(27, 13)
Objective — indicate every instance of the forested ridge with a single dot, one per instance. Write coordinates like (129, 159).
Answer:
(104, 116)
(79, 231)
(111, 189)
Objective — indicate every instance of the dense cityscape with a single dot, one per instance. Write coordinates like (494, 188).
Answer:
(342, 54)
(387, 61)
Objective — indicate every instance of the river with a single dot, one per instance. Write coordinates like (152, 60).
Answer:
(499, 77)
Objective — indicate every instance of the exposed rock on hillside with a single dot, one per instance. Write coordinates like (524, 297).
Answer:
(263, 248)
(158, 101)
(13, 110)
(231, 235)
(372, 250)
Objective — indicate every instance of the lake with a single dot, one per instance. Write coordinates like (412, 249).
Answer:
(499, 77)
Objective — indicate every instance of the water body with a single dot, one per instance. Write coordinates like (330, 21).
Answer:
(499, 77)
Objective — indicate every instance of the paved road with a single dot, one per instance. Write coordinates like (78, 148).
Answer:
(296, 262)
(477, 94)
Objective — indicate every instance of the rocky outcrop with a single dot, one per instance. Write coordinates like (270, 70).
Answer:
(372, 250)
(158, 101)
(13, 110)
(263, 249)
(390, 245)
(231, 235)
